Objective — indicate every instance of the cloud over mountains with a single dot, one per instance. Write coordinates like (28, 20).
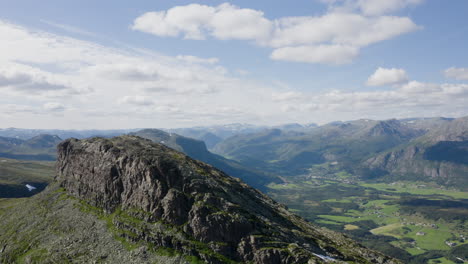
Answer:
(333, 38)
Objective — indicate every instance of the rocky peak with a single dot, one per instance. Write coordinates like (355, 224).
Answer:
(198, 203)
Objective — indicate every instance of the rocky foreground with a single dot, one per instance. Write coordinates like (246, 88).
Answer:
(129, 200)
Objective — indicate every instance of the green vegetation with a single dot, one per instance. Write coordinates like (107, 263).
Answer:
(18, 171)
(417, 188)
(15, 174)
(413, 221)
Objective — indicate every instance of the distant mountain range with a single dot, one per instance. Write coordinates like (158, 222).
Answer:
(41, 147)
(25, 134)
(430, 149)
(212, 135)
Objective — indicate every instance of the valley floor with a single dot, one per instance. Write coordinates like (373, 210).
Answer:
(416, 222)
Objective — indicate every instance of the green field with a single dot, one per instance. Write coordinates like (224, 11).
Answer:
(408, 220)
(416, 189)
(18, 171)
(15, 174)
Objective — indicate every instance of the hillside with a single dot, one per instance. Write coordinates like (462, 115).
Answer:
(441, 155)
(212, 135)
(127, 200)
(197, 150)
(294, 152)
(16, 174)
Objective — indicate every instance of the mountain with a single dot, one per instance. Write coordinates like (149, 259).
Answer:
(294, 152)
(428, 123)
(128, 200)
(441, 155)
(204, 135)
(41, 147)
(25, 134)
(197, 150)
(212, 135)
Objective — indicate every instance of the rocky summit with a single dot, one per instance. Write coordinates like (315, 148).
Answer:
(163, 207)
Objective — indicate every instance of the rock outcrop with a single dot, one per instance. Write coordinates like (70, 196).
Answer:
(192, 208)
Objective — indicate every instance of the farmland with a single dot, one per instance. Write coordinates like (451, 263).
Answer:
(416, 222)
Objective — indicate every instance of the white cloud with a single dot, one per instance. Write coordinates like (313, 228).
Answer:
(54, 107)
(344, 32)
(140, 100)
(140, 88)
(287, 96)
(195, 21)
(339, 28)
(383, 76)
(124, 72)
(457, 73)
(326, 54)
(232, 22)
(94, 78)
(23, 78)
(413, 96)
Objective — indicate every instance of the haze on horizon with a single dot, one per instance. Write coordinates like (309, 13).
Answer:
(116, 64)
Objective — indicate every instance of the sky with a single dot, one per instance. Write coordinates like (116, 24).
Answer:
(132, 64)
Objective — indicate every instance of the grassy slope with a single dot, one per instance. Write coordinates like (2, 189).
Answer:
(14, 174)
(55, 228)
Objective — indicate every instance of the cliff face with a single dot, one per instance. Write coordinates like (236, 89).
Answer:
(183, 204)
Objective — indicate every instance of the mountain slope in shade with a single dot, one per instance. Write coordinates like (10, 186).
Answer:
(163, 207)
(197, 150)
(212, 135)
(441, 155)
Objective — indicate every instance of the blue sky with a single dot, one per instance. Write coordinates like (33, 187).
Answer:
(118, 66)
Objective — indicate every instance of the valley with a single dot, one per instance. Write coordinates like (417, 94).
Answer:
(414, 221)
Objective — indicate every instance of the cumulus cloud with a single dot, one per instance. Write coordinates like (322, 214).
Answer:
(457, 73)
(339, 28)
(343, 32)
(195, 21)
(383, 76)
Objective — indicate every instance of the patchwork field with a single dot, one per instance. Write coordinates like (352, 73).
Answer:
(416, 222)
